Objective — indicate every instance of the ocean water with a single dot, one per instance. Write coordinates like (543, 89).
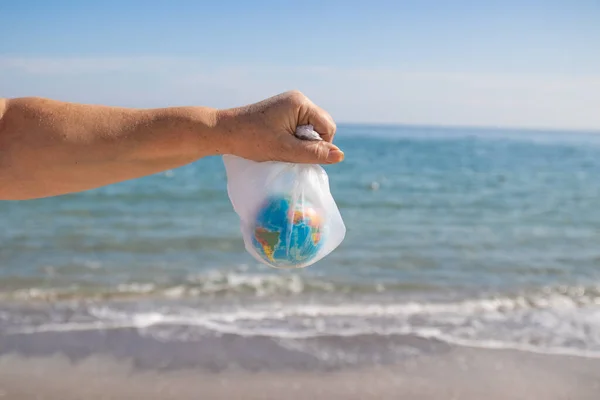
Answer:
(473, 237)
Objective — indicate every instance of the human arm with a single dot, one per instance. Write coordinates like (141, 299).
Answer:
(49, 147)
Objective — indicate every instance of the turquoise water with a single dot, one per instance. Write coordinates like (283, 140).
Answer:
(473, 236)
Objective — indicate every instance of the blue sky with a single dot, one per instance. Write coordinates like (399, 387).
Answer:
(492, 63)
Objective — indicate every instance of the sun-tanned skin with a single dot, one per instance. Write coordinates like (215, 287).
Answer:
(50, 147)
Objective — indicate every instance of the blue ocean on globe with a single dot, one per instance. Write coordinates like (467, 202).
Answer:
(287, 235)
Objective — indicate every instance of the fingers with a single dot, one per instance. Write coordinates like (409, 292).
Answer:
(309, 152)
(310, 113)
(322, 122)
(276, 119)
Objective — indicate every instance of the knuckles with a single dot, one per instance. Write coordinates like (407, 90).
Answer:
(296, 98)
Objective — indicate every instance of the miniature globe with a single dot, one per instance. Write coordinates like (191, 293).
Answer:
(287, 234)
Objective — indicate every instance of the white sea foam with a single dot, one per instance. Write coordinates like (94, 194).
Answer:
(213, 283)
(564, 320)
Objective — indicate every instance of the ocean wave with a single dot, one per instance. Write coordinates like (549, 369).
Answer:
(210, 284)
(563, 319)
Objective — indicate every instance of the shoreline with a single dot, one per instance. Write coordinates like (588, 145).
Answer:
(460, 373)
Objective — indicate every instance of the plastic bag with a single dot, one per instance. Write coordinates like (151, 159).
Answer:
(288, 216)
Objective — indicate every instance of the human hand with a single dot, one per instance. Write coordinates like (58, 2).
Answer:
(264, 131)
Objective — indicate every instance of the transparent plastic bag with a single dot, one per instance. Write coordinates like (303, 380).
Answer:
(288, 216)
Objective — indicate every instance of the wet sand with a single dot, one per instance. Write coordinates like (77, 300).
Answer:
(460, 373)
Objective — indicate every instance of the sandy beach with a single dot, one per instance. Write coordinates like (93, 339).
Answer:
(461, 373)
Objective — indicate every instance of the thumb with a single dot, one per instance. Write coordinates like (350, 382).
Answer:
(311, 151)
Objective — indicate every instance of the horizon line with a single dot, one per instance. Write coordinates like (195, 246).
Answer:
(470, 127)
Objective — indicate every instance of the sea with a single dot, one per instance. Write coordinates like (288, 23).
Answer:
(455, 237)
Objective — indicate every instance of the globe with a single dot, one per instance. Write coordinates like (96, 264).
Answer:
(287, 234)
